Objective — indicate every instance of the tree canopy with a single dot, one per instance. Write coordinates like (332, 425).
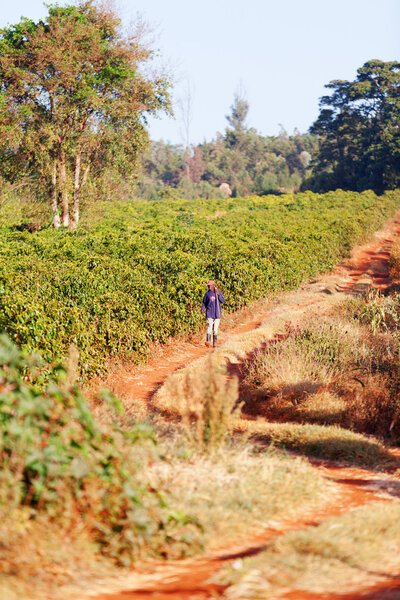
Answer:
(241, 160)
(73, 96)
(359, 129)
(353, 145)
(75, 91)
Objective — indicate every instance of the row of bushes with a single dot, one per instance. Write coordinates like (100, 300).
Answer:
(135, 271)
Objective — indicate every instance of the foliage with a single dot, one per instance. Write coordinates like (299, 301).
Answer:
(73, 95)
(358, 125)
(136, 273)
(55, 459)
(242, 158)
(354, 144)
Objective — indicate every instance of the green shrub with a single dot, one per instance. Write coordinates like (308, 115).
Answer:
(55, 459)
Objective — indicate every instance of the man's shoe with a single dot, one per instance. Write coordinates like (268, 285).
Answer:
(208, 341)
(215, 341)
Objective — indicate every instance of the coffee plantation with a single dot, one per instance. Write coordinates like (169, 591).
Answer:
(135, 271)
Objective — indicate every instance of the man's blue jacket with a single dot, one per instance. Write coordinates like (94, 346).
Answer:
(212, 304)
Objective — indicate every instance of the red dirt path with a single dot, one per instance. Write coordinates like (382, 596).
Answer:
(139, 384)
(189, 579)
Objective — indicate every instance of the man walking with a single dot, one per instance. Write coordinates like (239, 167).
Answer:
(212, 307)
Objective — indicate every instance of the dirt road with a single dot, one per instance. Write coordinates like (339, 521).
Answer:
(186, 580)
(368, 267)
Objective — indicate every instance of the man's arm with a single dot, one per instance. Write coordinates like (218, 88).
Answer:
(220, 296)
(204, 305)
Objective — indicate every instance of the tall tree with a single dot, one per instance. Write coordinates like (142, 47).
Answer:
(359, 129)
(237, 117)
(73, 94)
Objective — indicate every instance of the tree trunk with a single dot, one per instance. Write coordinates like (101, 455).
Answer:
(63, 190)
(77, 191)
(85, 175)
(186, 160)
(54, 197)
(78, 185)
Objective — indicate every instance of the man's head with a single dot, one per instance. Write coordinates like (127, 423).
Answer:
(211, 285)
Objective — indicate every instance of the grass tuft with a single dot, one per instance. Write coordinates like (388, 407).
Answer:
(326, 442)
(207, 400)
(335, 370)
(236, 491)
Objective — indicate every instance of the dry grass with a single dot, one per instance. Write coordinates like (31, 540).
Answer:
(304, 404)
(333, 370)
(207, 402)
(394, 261)
(286, 372)
(236, 492)
(38, 557)
(329, 372)
(374, 408)
(236, 348)
(231, 492)
(326, 375)
(323, 407)
(344, 553)
(327, 442)
(318, 352)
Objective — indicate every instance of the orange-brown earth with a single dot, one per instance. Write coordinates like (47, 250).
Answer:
(190, 579)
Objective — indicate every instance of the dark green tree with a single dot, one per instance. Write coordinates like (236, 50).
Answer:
(239, 111)
(359, 131)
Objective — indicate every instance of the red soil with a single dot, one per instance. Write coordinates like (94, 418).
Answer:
(141, 382)
(190, 578)
(372, 259)
(388, 590)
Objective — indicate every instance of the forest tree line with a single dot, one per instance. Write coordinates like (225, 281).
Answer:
(353, 145)
(75, 93)
(240, 162)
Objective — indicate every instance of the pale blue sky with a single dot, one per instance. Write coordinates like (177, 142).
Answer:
(283, 52)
